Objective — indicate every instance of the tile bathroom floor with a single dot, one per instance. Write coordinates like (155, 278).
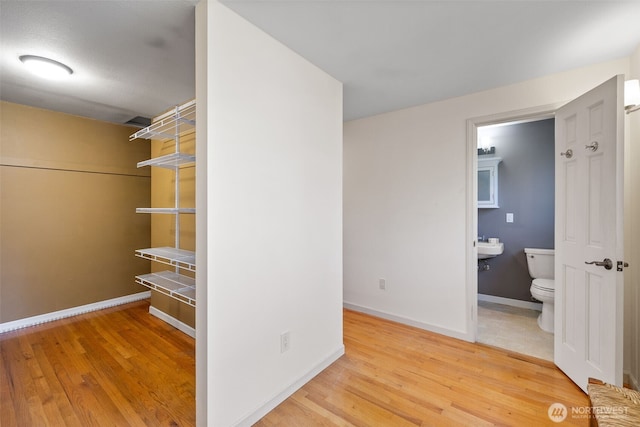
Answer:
(513, 328)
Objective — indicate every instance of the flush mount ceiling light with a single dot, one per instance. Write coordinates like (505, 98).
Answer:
(45, 67)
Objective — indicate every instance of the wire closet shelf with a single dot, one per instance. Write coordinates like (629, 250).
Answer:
(170, 126)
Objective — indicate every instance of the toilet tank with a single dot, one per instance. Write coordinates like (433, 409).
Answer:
(540, 262)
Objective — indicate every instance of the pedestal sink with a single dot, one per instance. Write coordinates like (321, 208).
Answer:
(489, 250)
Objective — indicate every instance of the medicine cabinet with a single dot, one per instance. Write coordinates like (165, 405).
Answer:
(488, 182)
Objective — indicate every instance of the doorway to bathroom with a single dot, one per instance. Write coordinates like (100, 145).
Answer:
(521, 216)
(589, 231)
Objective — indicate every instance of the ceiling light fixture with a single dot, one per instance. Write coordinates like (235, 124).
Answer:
(632, 95)
(45, 67)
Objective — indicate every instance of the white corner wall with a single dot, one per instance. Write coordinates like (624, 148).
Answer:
(632, 239)
(405, 200)
(272, 202)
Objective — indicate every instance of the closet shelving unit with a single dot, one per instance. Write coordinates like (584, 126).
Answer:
(170, 125)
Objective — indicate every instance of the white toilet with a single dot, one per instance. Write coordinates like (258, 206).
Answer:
(541, 269)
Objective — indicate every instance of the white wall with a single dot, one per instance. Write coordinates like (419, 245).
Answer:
(273, 207)
(632, 241)
(204, 344)
(405, 199)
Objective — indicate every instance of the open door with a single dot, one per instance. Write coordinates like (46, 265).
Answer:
(589, 235)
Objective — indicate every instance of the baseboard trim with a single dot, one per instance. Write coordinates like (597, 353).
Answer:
(410, 322)
(281, 397)
(181, 326)
(69, 312)
(512, 302)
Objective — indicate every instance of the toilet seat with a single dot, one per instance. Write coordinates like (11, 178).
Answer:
(543, 290)
(544, 284)
(542, 295)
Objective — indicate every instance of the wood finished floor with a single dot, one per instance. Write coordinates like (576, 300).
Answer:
(396, 375)
(114, 367)
(121, 366)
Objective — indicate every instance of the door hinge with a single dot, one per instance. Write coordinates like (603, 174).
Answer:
(620, 265)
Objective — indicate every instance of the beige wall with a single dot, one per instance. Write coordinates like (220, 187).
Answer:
(68, 192)
(163, 226)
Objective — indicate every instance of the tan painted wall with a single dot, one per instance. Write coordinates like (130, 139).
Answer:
(163, 226)
(69, 187)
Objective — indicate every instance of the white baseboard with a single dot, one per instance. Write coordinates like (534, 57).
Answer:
(181, 326)
(270, 405)
(73, 311)
(408, 321)
(512, 302)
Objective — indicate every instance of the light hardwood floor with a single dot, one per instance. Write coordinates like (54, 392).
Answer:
(396, 375)
(121, 367)
(114, 367)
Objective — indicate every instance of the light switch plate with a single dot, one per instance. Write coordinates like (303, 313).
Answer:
(509, 217)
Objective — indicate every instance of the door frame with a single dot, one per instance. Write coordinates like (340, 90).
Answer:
(515, 116)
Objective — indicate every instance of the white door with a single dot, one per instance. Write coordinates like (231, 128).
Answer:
(589, 203)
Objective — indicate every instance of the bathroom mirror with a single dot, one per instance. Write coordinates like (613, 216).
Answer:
(488, 182)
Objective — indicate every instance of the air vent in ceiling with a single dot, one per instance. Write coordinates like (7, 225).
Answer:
(139, 121)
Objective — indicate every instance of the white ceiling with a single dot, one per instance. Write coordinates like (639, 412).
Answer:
(137, 57)
(130, 58)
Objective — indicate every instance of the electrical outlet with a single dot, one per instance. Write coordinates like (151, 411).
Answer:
(285, 341)
(382, 283)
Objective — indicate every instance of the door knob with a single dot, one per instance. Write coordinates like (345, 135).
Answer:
(568, 153)
(593, 146)
(606, 263)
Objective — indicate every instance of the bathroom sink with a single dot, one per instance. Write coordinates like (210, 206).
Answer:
(489, 250)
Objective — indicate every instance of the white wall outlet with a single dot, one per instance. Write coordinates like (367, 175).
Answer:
(382, 284)
(509, 217)
(285, 341)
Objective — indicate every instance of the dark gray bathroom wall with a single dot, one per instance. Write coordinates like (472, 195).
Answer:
(526, 189)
